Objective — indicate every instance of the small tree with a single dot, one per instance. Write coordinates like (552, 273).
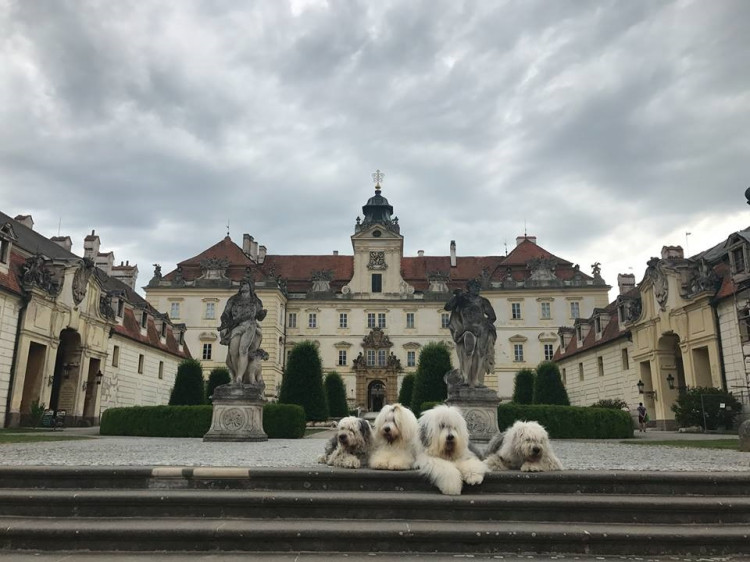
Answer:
(611, 404)
(549, 388)
(217, 377)
(407, 390)
(691, 405)
(429, 386)
(302, 383)
(336, 395)
(188, 384)
(523, 389)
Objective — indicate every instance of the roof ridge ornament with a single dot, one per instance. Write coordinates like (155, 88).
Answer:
(377, 177)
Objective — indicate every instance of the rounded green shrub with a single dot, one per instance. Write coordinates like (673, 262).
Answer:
(549, 388)
(336, 395)
(612, 403)
(302, 383)
(523, 388)
(569, 422)
(695, 403)
(188, 384)
(284, 421)
(429, 386)
(407, 390)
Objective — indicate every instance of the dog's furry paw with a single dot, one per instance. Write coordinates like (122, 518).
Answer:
(531, 467)
(350, 462)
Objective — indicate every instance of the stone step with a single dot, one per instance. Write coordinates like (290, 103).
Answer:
(336, 479)
(290, 535)
(347, 505)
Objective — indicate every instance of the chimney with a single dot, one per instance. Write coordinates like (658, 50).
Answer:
(262, 254)
(420, 253)
(254, 251)
(672, 253)
(247, 242)
(335, 252)
(26, 220)
(520, 239)
(63, 241)
(625, 281)
(453, 253)
(91, 246)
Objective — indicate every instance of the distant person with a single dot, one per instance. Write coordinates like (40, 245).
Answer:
(642, 417)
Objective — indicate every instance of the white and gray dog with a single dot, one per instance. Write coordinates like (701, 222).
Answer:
(523, 446)
(449, 459)
(350, 447)
(396, 442)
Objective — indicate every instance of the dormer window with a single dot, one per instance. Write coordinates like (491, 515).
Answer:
(120, 308)
(4, 250)
(738, 261)
(144, 319)
(598, 324)
(164, 329)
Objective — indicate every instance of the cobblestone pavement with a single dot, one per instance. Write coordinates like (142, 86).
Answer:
(140, 451)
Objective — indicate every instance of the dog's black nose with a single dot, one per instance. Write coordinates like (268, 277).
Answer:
(449, 437)
(342, 438)
(387, 429)
(536, 450)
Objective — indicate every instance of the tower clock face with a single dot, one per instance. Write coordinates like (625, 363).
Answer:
(376, 233)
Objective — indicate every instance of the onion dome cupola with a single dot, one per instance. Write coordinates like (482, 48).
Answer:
(377, 210)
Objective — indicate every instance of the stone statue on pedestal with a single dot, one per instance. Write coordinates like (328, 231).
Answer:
(238, 406)
(472, 326)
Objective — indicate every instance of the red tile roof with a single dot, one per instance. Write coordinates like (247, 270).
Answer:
(610, 332)
(131, 329)
(11, 281)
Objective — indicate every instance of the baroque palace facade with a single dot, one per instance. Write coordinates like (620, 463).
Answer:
(686, 324)
(371, 312)
(74, 335)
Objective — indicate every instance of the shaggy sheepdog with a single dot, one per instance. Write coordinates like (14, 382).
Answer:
(523, 446)
(396, 443)
(350, 446)
(449, 459)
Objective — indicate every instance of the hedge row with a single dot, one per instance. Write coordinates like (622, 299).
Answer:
(569, 422)
(280, 421)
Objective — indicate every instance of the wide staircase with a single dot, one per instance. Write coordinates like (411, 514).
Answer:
(152, 509)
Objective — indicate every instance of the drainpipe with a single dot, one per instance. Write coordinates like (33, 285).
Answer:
(9, 399)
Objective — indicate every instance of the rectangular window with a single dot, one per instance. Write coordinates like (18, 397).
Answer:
(445, 319)
(144, 319)
(518, 352)
(411, 358)
(370, 319)
(580, 371)
(565, 376)
(381, 357)
(370, 357)
(207, 348)
(4, 246)
(116, 356)
(343, 320)
(575, 310)
(174, 310)
(598, 324)
(381, 320)
(210, 310)
(515, 310)
(409, 319)
(312, 320)
(377, 282)
(161, 369)
(164, 329)
(549, 351)
(738, 256)
(292, 320)
(546, 311)
(342, 357)
(625, 360)
(140, 363)
(120, 308)
(182, 338)
(600, 365)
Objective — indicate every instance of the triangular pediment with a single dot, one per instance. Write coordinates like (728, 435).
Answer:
(7, 232)
(376, 232)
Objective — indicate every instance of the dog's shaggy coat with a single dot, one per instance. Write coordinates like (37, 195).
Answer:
(351, 445)
(523, 446)
(448, 459)
(396, 442)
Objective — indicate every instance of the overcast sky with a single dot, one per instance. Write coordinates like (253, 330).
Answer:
(605, 128)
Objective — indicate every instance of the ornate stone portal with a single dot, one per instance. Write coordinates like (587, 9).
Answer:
(238, 406)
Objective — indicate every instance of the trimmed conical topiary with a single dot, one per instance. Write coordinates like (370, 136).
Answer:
(217, 377)
(523, 389)
(188, 384)
(336, 395)
(407, 390)
(429, 386)
(549, 388)
(303, 382)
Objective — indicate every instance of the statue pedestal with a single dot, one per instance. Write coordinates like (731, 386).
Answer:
(478, 404)
(237, 413)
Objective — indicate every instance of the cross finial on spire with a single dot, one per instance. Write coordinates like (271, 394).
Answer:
(227, 227)
(377, 177)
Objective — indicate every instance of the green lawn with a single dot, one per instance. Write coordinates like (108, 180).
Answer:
(36, 438)
(731, 444)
